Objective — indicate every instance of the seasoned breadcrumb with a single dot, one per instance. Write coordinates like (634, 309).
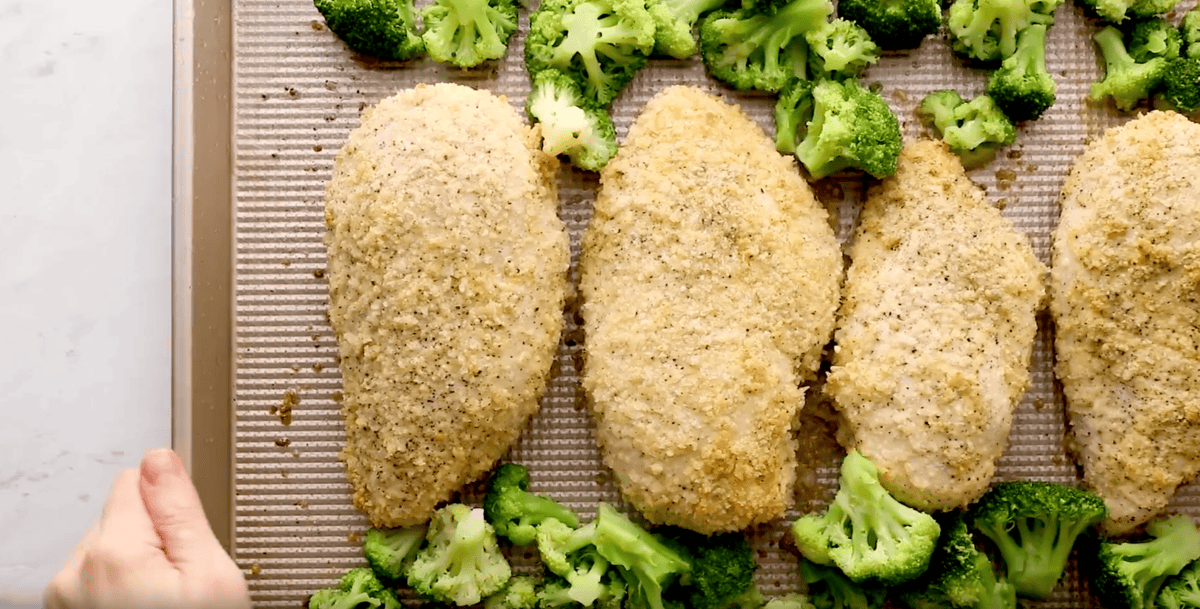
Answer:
(709, 275)
(936, 331)
(447, 278)
(1124, 284)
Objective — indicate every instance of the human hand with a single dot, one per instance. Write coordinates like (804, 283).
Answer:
(151, 549)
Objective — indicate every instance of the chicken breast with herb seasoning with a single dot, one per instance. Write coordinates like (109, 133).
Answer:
(447, 279)
(936, 331)
(1124, 283)
(709, 276)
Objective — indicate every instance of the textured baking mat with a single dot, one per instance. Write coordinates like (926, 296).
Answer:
(298, 93)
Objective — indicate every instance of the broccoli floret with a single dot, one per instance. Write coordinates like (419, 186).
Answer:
(519, 593)
(509, 507)
(391, 551)
(466, 33)
(614, 594)
(722, 569)
(1023, 87)
(584, 132)
(952, 579)
(894, 24)
(385, 29)
(1181, 591)
(647, 564)
(998, 593)
(674, 21)
(1155, 37)
(973, 130)
(600, 44)
(1034, 526)
(461, 562)
(1126, 81)
(937, 109)
(829, 588)
(1189, 26)
(840, 49)
(1117, 11)
(357, 589)
(1180, 87)
(1128, 575)
(790, 601)
(751, 48)
(866, 532)
(793, 110)
(572, 555)
(987, 30)
(851, 128)
(554, 593)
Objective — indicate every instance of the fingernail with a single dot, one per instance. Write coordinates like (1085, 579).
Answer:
(161, 463)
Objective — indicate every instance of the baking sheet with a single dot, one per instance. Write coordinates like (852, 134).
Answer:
(298, 92)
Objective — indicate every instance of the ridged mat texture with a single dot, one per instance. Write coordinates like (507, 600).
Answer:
(298, 93)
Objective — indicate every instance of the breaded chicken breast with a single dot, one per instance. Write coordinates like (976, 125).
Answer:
(936, 330)
(447, 280)
(709, 277)
(1125, 274)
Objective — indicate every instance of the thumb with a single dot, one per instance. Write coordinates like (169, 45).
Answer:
(174, 508)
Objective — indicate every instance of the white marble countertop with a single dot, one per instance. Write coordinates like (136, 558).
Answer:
(85, 159)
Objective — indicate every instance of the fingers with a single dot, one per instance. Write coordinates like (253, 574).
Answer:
(125, 519)
(63, 590)
(121, 539)
(60, 592)
(67, 579)
(174, 510)
(121, 563)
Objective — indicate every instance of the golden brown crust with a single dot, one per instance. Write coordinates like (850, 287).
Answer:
(447, 277)
(709, 275)
(936, 331)
(1126, 271)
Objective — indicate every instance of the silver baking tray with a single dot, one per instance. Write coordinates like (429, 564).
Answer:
(265, 96)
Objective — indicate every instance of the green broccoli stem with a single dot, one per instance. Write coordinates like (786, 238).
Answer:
(819, 164)
(1127, 81)
(1035, 559)
(469, 536)
(536, 509)
(870, 513)
(636, 550)
(772, 34)
(1112, 48)
(997, 593)
(626, 544)
(787, 122)
(873, 509)
(970, 135)
(587, 31)
(586, 585)
(689, 11)
(1031, 50)
(582, 537)
(1011, 16)
(1156, 42)
(1155, 559)
(793, 110)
